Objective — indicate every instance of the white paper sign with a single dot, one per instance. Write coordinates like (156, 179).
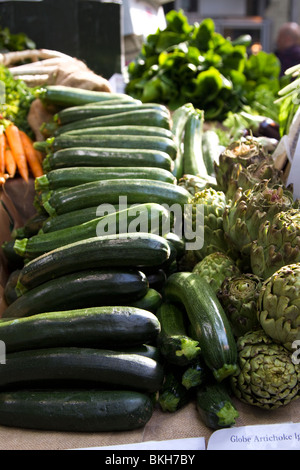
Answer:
(285, 436)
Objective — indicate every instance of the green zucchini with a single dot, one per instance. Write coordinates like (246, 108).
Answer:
(31, 227)
(156, 277)
(77, 113)
(89, 156)
(71, 219)
(142, 117)
(68, 177)
(137, 191)
(75, 410)
(100, 327)
(124, 130)
(163, 144)
(10, 293)
(13, 260)
(74, 365)
(147, 350)
(179, 120)
(193, 163)
(153, 217)
(173, 342)
(195, 374)
(215, 406)
(150, 302)
(121, 250)
(68, 96)
(208, 321)
(87, 288)
(173, 395)
(210, 150)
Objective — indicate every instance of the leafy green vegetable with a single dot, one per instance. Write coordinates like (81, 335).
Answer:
(17, 99)
(289, 99)
(14, 42)
(193, 63)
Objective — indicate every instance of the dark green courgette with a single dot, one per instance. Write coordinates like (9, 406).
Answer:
(124, 130)
(210, 150)
(31, 227)
(65, 96)
(173, 342)
(156, 277)
(215, 406)
(150, 302)
(179, 120)
(162, 144)
(173, 395)
(195, 374)
(42, 367)
(89, 156)
(107, 251)
(143, 117)
(137, 191)
(71, 219)
(10, 293)
(193, 163)
(77, 113)
(92, 288)
(208, 321)
(75, 410)
(101, 327)
(152, 218)
(69, 177)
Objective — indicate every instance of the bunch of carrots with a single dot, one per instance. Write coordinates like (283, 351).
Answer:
(17, 153)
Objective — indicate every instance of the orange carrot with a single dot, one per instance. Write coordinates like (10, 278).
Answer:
(2, 151)
(15, 143)
(10, 163)
(31, 154)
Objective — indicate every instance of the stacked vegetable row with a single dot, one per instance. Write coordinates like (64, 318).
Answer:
(79, 329)
(131, 268)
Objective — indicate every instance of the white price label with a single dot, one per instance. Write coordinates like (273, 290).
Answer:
(285, 436)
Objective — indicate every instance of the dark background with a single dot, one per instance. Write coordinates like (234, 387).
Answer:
(88, 30)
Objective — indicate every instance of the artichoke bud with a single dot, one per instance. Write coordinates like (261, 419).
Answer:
(238, 296)
(215, 268)
(250, 209)
(244, 153)
(279, 305)
(214, 203)
(278, 244)
(267, 376)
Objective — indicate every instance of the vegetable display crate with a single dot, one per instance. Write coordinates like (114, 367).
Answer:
(15, 206)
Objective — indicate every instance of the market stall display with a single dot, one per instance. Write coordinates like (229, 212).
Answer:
(129, 189)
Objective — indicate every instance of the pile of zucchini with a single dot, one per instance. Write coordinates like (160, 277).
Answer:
(100, 325)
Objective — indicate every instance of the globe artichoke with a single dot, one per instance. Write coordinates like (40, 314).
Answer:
(249, 210)
(279, 305)
(247, 177)
(277, 245)
(214, 204)
(238, 296)
(244, 152)
(215, 268)
(266, 377)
